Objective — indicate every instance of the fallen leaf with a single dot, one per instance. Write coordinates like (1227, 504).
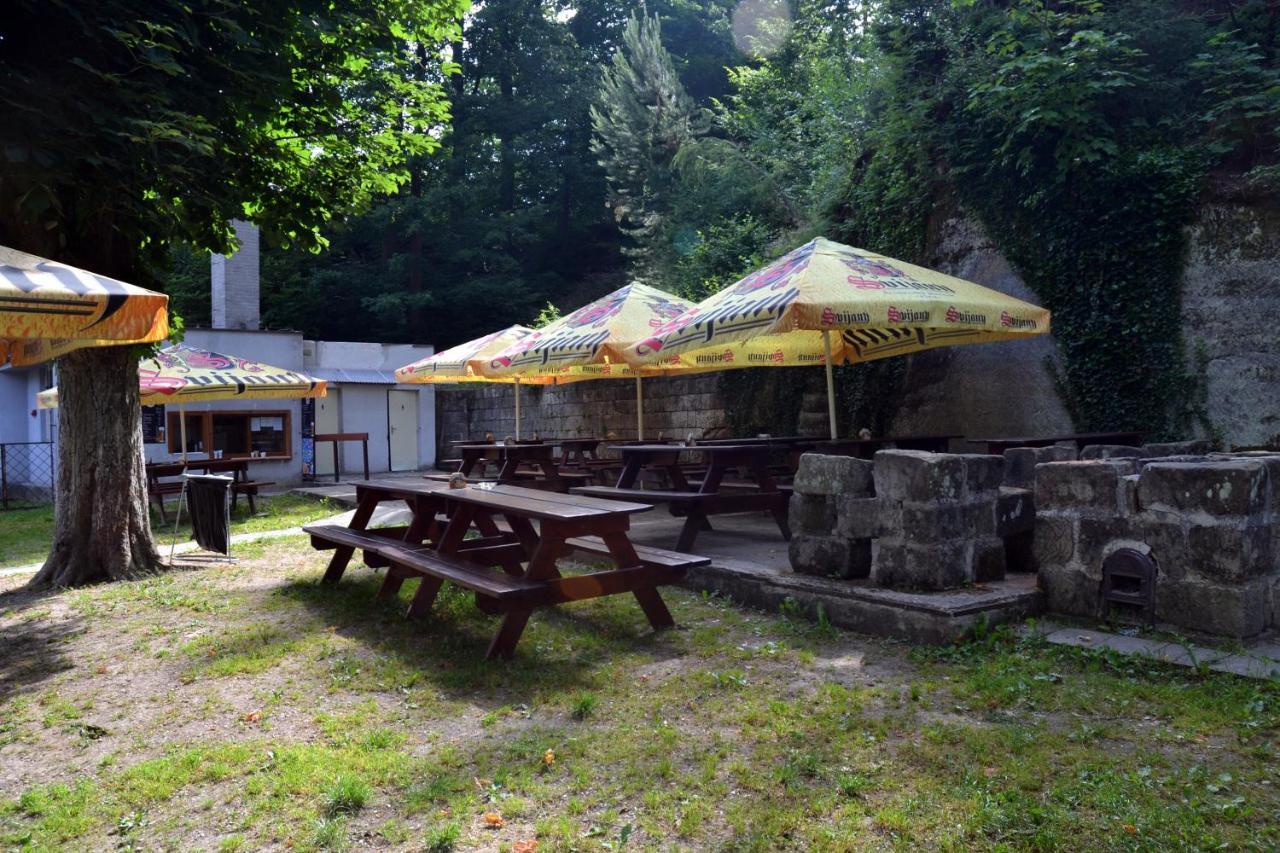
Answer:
(493, 820)
(102, 669)
(1131, 829)
(988, 772)
(525, 846)
(548, 758)
(251, 717)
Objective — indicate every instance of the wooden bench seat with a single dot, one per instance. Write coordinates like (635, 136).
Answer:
(642, 495)
(649, 556)
(426, 560)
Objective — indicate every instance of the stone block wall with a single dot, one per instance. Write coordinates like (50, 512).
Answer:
(1211, 524)
(673, 407)
(907, 520)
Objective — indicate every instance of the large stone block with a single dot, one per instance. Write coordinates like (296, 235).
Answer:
(1112, 451)
(858, 518)
(1179, 448)
(1166, 536)
(1090, 485)
(988, 559)
(1232, 610)
(1069, 589)
(1015, 512)
(916, 475)
(1020, 463)
(1055, 539)
(983, 473)
(1229, 551)
(1219, 488)
(936, 522)
(829, 556)
(1098, 536)
(811, 513)
(833, 475)
(928, 567)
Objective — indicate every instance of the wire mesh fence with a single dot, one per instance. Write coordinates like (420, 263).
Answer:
(26, 474)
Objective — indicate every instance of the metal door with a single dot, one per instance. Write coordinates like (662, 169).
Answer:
(328, 419)
(402, 429)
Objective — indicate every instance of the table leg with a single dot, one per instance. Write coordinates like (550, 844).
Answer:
(424, 597)
(630, 471)
(368, 502)
(650, 601)
(765, 481)
(504, 642)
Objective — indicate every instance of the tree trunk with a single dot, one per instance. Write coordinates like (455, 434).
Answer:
(102, 530)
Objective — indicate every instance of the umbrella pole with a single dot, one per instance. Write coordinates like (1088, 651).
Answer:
(182, 432)
(517, 410)
(639, 411)
(831, 385)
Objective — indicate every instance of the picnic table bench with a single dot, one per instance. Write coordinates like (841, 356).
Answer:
(529, 463)
(435, 549)
(696, 501)
(158, 487)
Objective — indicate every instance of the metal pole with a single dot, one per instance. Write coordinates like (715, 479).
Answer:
(831, 385)
(517, 410)
(182, 432)
(639, 411)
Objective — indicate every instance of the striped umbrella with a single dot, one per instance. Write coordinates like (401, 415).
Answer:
(784, 314)
(48, 309)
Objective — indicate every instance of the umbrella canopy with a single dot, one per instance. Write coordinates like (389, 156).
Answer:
(186, 374)
(48, 309)
(454, 364)
(588, 343)
(880, 307)
(785, 313)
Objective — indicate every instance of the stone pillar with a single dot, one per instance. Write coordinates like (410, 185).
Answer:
(832, 517)
(236, 287)
(938, 515)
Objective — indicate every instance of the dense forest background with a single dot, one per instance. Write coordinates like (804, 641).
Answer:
(682, 142)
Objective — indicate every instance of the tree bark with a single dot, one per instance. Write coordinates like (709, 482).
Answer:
(102, 530)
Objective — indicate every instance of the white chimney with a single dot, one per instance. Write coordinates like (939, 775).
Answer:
(235, 282)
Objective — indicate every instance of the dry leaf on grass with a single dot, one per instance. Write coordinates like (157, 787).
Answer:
(493, 820)
(548, 758)
(525, 846)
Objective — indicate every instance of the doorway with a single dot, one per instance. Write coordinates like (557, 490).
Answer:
(402, 429)
(328, 420)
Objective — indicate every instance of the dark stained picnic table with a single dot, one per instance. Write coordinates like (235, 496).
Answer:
(510, 458)
(708, 498)
(435, 548)
(997, 446)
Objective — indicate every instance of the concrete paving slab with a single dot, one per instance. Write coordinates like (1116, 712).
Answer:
(1259, 660)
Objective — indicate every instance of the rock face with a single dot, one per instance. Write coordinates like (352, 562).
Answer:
(1212, 525)
(993, 389)
(1230, 302)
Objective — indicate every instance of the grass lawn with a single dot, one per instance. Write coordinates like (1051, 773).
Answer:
(25, 534)
(248, 707)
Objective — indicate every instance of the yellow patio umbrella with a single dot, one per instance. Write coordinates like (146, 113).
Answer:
(48, 309)
(454, 364)
(785, 313)
(588, 343)
(182, 373)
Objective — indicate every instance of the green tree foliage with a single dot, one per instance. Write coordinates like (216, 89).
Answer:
(642, 118)
(134, 126)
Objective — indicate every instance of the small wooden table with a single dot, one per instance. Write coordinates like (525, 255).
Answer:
(696, 504)
(437, 551)
(997, 446)
(579, 452)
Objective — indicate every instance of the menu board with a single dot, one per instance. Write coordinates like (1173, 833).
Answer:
(153, 424)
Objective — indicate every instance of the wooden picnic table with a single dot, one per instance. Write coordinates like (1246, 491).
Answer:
(578, 451)
(997, 446)
(698, 500)
(238, 468)
(510, 458)
(435, 548)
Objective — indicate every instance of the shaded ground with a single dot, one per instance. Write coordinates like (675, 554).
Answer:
(247, 708)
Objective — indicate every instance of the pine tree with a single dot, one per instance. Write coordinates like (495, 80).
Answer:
(641, 119)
